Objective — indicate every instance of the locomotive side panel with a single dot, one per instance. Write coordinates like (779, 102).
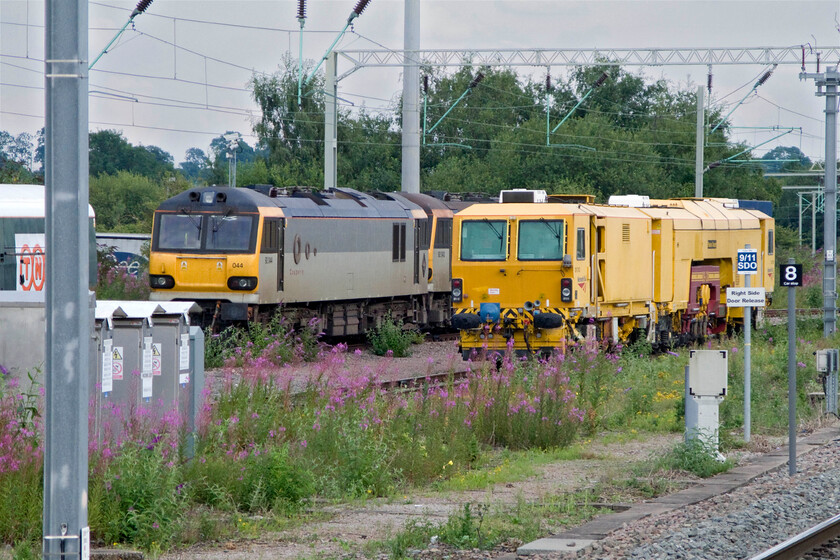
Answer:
(662, 244)
(624, 259)
(329, 260)
(441, 251)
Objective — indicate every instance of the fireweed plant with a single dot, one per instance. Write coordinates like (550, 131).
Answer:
(114, 281)
(21, 459)
(267, 442)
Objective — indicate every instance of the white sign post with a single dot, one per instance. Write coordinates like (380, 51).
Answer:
(748, 266)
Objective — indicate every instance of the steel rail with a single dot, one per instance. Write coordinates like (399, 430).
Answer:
(799, 311)
(804, 542)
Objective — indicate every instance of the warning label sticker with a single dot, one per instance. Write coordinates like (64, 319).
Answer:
(117, 362)
(107, 367)
(156, 358)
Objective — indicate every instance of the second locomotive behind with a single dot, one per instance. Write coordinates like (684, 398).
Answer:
(343, 257)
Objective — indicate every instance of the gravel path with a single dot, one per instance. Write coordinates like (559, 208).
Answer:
(742, 523)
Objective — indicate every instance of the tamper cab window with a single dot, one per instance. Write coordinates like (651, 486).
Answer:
(541, 240)
(484, 240)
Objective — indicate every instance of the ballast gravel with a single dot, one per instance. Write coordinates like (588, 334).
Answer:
(740, 524)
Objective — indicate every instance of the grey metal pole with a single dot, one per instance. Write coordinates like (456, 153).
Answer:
(330, 122)
(830, 211)
(747, 363)
(69, 324)
(411, 100)
(829, 80)
(813, 223)
(799, 196)
(698, 158)
(791, 378)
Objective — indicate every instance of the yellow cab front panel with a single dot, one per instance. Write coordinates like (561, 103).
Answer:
(523, 272)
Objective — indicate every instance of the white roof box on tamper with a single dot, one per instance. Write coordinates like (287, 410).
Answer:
(522, 195)
(631, 200)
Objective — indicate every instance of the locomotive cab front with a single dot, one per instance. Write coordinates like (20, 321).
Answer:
(204, 243)
(520, 275)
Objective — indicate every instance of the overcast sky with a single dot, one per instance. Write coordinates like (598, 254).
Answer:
(182, 71)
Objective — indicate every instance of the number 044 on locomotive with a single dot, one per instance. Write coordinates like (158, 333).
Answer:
(536, 271)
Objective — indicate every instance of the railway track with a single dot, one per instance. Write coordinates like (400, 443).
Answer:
(801, 311)
(803, 543)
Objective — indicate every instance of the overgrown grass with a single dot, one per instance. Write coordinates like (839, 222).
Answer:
(273, 344)
(485, 526)
(268, 445)
(391, 338)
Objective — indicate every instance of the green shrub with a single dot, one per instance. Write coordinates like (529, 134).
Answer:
(275, 341)
(390, 336)
(139, 499)
(274, 481)
(694, 456)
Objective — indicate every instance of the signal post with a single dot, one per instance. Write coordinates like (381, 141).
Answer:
(748, 298)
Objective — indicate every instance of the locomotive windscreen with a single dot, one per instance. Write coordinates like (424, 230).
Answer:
(204, 232)
(180, 231)
(229, 233)
(484, 240)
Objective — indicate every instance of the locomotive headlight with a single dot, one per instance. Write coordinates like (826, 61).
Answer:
(242, 282)
(161, 281)
(566, 290)
(457, 290)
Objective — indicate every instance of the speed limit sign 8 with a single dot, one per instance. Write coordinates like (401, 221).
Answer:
(790, 275)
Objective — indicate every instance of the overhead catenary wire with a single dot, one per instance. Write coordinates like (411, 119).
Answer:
(758, 84)
(383, 110)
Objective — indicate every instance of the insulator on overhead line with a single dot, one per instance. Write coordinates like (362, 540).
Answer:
(764, 78)
(548, 82)
(360, 7)
(301, 14)
(425, 83)
(709, 83)
(601, 80)
(142, 5)
(477, 80)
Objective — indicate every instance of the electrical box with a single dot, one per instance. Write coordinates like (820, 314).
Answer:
(705, 387)
(827, 360)
(708, 373)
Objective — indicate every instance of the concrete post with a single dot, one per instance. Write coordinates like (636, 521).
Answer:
(411, 100)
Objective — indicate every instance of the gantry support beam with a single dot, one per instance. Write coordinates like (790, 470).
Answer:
(582, 57)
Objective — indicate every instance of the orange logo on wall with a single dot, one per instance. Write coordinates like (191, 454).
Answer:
(31, 264)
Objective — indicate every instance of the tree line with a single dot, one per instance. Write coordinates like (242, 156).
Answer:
(630, 135)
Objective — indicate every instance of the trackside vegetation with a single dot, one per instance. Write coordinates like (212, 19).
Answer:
(270, 446)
